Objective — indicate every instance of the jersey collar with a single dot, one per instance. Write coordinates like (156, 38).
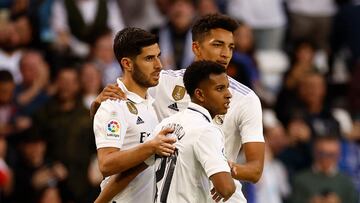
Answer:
(133, 96)
(200, 109)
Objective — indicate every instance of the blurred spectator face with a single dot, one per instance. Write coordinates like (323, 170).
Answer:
(181, 14)
(205, 7)
(312, 89)
(103, 49)
(29, 66)
(326, 154)
(305, 53)
(244, 38)
(34, 151)
(90, 78)
(67, 84)
(6, 92)
(276, 138)
(10, 39)
(217, 46)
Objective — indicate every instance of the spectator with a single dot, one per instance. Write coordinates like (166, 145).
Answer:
(65, 122)
(323, 181)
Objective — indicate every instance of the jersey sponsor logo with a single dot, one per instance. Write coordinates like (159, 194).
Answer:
(173, 107)
(139, 120)
(219, 119)
(178, 92)
(113, 130)
(132, 108)
(144, 136)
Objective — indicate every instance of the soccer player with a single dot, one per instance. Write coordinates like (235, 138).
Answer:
(199, 154)
(242, 125)
(122, 126)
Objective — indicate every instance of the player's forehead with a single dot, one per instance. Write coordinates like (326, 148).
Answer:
(220, 35)
(151, 50)
(216, 80)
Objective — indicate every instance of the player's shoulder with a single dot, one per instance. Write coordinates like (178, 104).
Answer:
(242, 93)
(108, 107)
(239, 88)
(172, 73)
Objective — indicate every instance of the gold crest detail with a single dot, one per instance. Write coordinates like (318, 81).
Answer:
(132, 108)
(178, 92)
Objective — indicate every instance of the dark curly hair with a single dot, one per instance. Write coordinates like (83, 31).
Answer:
(205, 24)
(199, 71)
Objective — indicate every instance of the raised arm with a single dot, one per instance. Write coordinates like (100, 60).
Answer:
(111, 91)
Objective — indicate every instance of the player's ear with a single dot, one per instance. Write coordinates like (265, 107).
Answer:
(199, 94)
(127, 64)
(196, 48)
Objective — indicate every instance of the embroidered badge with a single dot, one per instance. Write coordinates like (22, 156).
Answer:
(113, 130)
(178, 92)
(132, 108)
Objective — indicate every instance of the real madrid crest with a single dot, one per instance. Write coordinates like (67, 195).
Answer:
(219, 119)
(178, 92)
(132, 108)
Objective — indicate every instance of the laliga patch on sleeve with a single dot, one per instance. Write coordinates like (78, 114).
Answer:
(113, 130)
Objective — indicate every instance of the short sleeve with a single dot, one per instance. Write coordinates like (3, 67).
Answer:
(109, 125)
(251, 126)
(209, 151)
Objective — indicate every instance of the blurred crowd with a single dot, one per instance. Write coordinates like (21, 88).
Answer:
(302, 58)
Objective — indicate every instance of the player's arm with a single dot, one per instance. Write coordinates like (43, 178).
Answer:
(111, 91)
(250, 119)
(224, 186)
(252, 169)
(113, 161)
(209, 152)
(118, 183)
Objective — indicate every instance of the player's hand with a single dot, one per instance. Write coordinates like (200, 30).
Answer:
(233, 169)
(162, 144)
(111, 91)
(216, 196)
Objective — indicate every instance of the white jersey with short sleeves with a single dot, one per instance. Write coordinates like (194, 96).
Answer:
(124, 125)
(184, 177)
(241, 124)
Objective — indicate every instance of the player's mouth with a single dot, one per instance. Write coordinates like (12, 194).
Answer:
(156, 75)
(227, 105)
(222, 62)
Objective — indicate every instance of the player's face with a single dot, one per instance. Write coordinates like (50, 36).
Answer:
(147, 66)
(217, 46)
(216, 94)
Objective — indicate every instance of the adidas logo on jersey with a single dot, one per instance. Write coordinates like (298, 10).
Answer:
(139, 120)
(174, 107)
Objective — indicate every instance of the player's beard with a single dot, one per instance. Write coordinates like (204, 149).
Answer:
(140, 78)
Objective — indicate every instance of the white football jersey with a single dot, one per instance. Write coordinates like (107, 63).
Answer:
(241, 124)
(184, 177)
(124, 125)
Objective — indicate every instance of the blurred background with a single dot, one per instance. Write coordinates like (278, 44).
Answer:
(302, 57)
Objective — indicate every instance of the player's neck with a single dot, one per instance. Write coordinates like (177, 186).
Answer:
(134, 87)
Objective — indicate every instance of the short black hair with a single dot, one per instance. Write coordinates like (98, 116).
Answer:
(5, 76)
(199, 71)
(129, 42)
(205, 24)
